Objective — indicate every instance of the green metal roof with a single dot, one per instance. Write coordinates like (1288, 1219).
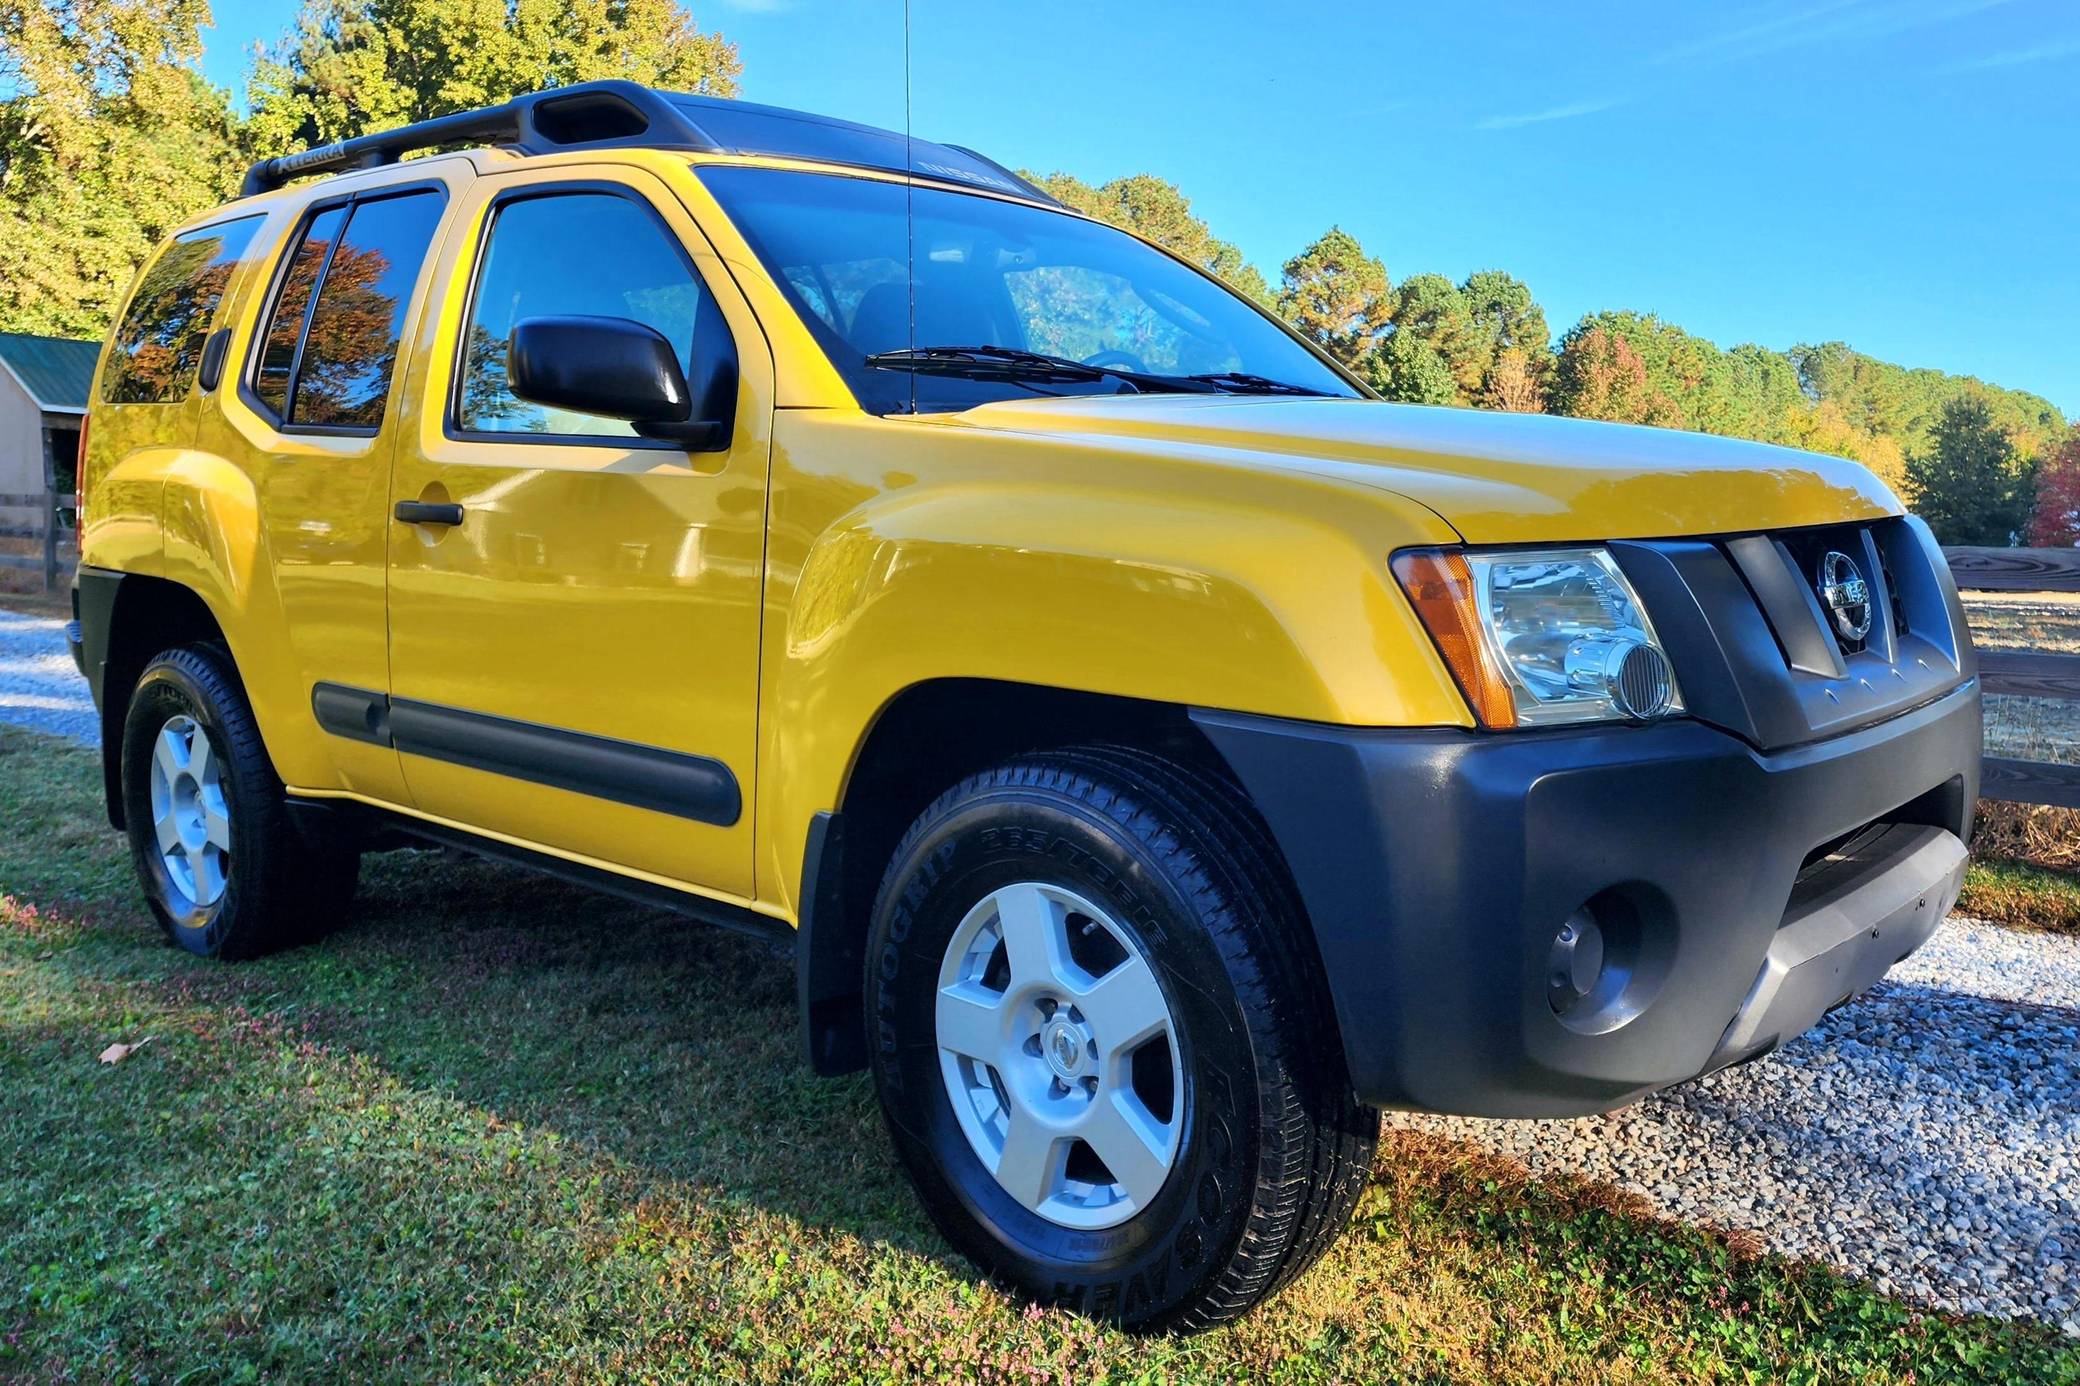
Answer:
(56, 371)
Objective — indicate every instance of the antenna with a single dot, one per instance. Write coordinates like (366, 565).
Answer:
(910, 196)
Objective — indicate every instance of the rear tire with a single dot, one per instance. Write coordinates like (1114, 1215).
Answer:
(223, 868)
(1252, 1158)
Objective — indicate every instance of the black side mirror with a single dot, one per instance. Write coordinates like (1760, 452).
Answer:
(612, 367)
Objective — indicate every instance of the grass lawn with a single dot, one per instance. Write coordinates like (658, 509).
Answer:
(500, 1129)
(2022, 896)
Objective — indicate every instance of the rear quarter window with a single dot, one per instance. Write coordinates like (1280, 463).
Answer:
(329, 350)
(157, 347)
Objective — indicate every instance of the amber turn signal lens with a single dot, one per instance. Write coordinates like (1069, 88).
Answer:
(1441, 586)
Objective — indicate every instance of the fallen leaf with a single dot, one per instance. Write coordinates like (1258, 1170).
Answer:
(116, 1053)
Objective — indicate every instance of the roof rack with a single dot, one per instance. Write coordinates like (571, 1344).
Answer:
(600, 115)
(589, 114)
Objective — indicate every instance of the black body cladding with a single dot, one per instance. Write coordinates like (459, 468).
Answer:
(688, 786)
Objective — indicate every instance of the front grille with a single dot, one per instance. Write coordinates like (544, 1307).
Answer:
(1831, 669)
(1839, 567)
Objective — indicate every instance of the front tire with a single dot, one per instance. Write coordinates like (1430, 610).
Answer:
(1102, 1043)
(224, 870)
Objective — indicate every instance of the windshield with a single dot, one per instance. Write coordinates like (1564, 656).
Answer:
(1011, 301)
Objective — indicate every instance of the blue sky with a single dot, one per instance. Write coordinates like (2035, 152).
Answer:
(1903, 175)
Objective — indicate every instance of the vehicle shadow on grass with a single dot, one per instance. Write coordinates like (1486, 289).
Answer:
(662, 1043)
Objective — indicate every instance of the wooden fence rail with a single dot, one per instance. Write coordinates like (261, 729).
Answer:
(2025, 673)
(49, 528)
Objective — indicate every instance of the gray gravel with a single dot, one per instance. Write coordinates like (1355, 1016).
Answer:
(40, 687)
(1926, 1137)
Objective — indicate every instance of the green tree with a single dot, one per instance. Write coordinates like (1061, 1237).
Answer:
(1160, 212)
(1409, 368)
(1968, 484)
(1429, 308)
(353, 66)
(1514, 326)
(109, 137)
(1339, 296)
(1882, 398)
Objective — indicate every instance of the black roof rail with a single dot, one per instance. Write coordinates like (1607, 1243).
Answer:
(1027, 185)
(599, 115)
(589, 114)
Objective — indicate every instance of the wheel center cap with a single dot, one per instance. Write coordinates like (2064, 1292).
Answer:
(189, 820)
(1067, 1048)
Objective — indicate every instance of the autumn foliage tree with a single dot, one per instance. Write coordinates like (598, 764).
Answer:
(1601, 375)
(1512, 386)
(2054, 521)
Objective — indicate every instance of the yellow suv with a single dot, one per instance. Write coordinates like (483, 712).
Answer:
(1161, 753)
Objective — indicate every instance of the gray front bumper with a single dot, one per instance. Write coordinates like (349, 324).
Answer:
(1848, 923)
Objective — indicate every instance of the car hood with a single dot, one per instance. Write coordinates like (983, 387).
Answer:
(1496, 478)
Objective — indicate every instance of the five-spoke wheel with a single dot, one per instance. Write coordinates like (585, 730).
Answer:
(190, 818)
(1059, 1055)
(1100, 1042)
(223, 866)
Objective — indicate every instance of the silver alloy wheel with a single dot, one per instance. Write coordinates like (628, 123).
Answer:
(1060, 1055)
(190, 816)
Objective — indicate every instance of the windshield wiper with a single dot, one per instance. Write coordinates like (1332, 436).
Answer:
(1003, 363)
(1011, 363)
(1243, 383)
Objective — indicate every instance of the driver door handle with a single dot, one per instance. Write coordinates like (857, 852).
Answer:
(428, 512)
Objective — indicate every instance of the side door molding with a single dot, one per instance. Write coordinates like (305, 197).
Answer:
(695, 787)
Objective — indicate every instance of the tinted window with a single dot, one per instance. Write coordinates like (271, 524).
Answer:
(292, 305)
(327, 362)
(875, 267)
(595, 254)
(154, 353)
(351, 347)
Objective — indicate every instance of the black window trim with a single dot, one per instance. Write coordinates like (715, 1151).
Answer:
(451, 411)
(216, 317)
(257, 348)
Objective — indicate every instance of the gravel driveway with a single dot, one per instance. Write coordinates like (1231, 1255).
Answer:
(1926, 1137)
(40, 687)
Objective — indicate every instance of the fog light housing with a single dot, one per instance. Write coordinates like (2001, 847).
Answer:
(1576, 963)
(1608, 959)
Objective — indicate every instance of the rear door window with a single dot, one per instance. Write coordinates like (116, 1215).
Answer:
(156, 349)
(330, 349)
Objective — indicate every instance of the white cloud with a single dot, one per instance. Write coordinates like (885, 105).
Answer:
(1567, 112)
(2017, 57)
(1828, 22)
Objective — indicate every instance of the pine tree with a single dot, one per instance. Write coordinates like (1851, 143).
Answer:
(1968, 484)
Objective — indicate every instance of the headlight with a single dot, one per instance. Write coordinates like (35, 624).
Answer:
(1539, 637)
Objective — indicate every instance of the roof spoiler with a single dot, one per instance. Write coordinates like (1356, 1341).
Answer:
(587, 114)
